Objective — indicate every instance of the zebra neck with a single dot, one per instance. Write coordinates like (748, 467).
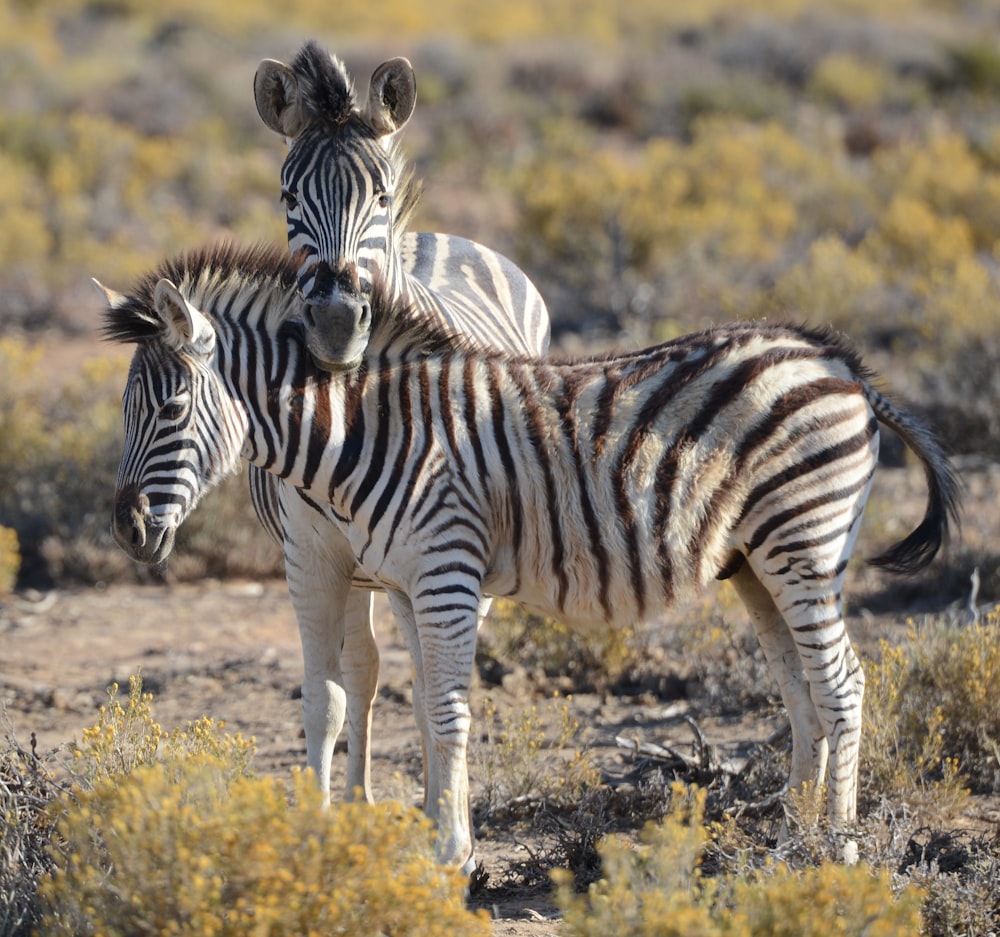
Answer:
(295, 411)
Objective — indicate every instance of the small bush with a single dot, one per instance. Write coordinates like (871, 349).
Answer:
(522, 762)
(167, 833)
(126, 737)
(186, 848)
(27, 785)
(846, 81)
(903, 753)
(584, 661)
(932, 722)
(10, 559)
(657, 889)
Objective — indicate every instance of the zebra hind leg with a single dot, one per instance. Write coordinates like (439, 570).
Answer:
(809, 743)
(807, 593)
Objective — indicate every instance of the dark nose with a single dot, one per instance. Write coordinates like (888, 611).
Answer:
(129, 518)
(356, 308)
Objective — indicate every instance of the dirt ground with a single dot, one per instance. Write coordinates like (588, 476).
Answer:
(230, 650)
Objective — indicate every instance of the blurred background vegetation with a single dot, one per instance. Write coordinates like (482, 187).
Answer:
(655, 167)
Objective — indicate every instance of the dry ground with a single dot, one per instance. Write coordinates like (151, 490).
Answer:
(230, 650)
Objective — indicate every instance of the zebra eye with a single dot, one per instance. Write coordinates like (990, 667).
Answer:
(174, 410)
(384, 200)
(289, 199)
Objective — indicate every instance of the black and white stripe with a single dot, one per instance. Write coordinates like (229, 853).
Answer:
(596, 491)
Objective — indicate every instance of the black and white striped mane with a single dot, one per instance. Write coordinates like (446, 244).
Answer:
(222, 279)
(326, 88)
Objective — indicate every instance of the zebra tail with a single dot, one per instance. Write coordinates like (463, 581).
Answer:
(916, 551)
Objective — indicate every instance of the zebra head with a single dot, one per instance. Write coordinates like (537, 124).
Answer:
(183, 433)
(344, 187)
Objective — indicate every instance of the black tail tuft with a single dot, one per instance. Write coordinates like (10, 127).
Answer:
(916, 551)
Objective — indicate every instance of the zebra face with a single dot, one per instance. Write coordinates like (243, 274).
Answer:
(183, 432)
(160, 471)
(338, 186)
(338, 192)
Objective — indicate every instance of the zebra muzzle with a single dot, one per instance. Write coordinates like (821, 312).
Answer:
(134, 529)
(337, 330)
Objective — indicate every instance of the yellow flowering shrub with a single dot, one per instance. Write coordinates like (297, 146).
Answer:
(846, 80)
(931, 719)
(831, 900)
(911, 235)
(522, 758)
(903, 755)
(656, 888)
(10, 559)
(189, 849)
(126, 737)
(832, 286)
(167, 833)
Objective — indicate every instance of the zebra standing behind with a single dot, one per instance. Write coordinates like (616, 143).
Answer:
(349, 197)
(598, 491)
(347, 156)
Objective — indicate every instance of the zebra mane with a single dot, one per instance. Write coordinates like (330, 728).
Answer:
(215, 275)
(400, 323)
(204, 275)
(325, 87)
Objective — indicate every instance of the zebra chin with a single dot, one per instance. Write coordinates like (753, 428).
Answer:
(333, 359)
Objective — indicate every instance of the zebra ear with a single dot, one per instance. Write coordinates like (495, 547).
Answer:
(185, 328)
(392, 96)
(279, 102)
(112, 299)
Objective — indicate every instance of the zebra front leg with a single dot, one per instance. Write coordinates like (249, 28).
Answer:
(318, 569)
(359, 663)
(443, 657)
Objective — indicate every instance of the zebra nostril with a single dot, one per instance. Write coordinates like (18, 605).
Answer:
(365, 316)
(139, 522)
(308, 317)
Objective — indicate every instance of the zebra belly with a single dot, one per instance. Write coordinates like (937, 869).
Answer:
(580, 594)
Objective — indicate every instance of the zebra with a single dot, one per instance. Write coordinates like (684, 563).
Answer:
(598, 491)
(467, 287)
(345, 155)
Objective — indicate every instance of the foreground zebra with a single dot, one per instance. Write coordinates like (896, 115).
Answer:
(349, 196)
(598, 491)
